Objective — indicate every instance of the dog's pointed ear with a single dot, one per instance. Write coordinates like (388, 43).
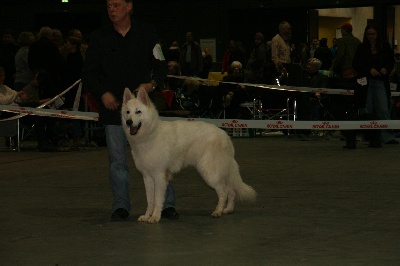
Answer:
(142, 96)
(128, 95)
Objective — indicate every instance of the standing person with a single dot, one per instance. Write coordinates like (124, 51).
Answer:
(191, 59)
(373, 62)
(334, 47)
(226, 60)
(7, 56)
(23, 75)
(254, 70)
(314, 47)
(45, 55)
(324, 54)
(346, 48)
(207, 63)
(280, 48)
(123, 54)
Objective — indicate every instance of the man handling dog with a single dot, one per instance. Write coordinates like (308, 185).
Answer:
(123, 54)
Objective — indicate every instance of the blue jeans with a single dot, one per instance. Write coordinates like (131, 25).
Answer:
(377, 103)
(119, 171)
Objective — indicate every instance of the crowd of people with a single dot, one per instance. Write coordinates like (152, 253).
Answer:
(37, 67)
(280, 62)
(58, 62)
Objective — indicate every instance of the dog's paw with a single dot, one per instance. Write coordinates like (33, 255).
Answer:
(216, 214)
(143, 218)
(154, 219)
(227, 211)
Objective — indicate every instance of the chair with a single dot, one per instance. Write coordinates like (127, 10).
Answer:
(10, 130)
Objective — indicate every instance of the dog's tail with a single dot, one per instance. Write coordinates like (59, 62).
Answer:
(243, 191)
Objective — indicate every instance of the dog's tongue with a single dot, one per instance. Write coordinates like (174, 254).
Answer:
(134, 130)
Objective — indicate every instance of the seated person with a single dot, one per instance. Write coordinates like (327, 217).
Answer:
(313, 79)
(235, 93)
(7, 95)
(33, 95)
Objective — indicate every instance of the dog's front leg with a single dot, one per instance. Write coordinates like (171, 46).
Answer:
(160, 187)
(149, 186)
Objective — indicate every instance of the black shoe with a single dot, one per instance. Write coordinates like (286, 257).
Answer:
(170, 213)
(375, 143)
(350, 145)
(393, 141)
(120, 214)
(46, 147)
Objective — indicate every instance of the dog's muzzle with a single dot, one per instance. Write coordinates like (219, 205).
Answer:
(133, 130)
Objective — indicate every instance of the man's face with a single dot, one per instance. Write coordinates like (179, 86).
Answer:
(312, 67)
(189, 37)
(315, 42)
(334, 42)
(118, 10)
(287, 31)
(372, 35)
(8, 38)
(171, 69)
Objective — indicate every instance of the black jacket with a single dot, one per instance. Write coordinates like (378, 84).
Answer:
(114, 62)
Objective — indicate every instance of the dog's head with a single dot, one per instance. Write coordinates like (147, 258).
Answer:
(138, 113)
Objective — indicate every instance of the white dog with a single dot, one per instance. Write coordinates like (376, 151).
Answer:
(161, 148)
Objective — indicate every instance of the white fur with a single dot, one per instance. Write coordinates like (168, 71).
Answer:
(161, 148)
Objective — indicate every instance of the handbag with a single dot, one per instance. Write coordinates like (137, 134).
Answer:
(349, 73)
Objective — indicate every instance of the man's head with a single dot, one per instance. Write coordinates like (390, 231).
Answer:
(236, 68)
(45, 32)
(315, 42)
(189, 37)
(285, 30)
(346, 29)
(258, 38)
(334, 41)
(119, 10)
(8, 36)
(313, 65)
(25, 38)
(173, 68)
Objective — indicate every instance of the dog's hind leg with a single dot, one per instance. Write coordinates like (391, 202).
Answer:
(222, 197)
(212, 175)
(231, 201)
(149, 186)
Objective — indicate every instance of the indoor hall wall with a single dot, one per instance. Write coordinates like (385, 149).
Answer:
(357, 16)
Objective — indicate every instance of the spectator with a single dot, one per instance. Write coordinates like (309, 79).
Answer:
(23, 74)
(207, 63)
(33, 95)
(7, 95)
(227, 60)
(373, 62)
(191, 59)
(346, 48)
(45, 55)
(334, 47)
(281, 49)
(324, 54)
(255, 64)
(236, 93)
(313, 47)
(173, 53)
(7, 57)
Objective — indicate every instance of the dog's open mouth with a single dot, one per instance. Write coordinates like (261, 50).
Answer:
(134, 130)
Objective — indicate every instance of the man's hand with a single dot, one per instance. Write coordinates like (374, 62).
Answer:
(109, 101)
